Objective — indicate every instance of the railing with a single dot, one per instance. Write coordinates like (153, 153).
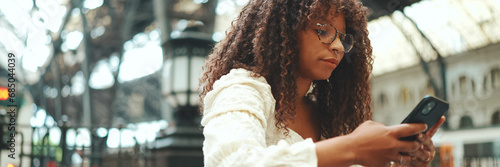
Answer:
(481, 162)
(469, 162)
(45, 153)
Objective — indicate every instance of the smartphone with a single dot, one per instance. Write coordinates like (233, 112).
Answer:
(429, 111)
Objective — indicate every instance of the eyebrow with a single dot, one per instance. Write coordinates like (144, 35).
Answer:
(326, 21)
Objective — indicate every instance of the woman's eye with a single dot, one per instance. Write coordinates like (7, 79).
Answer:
(322, 32)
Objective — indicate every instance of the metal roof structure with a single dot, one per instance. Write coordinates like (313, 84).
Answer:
(403, 33)
(450, 27)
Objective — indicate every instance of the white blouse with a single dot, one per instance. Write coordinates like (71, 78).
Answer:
(239, 126)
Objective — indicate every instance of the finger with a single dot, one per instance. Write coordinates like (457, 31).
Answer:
(407, 146)
(426, 142)
(434, 128)
(421, 155)
(403, 160)
(415, 162)
(407, 129)
(428, 157)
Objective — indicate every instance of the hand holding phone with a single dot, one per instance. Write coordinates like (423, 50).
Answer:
(429, 111)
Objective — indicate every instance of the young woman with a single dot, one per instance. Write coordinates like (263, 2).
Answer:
(289, 86)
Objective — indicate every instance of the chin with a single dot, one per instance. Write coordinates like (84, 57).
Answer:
(324, 75)
(315, 74)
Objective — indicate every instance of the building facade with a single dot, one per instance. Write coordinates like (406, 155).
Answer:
(473, 91)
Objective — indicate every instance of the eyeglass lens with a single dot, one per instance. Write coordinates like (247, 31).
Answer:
(327, 35)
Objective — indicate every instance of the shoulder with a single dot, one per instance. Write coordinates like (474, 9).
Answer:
(240, 89)
(240, 77)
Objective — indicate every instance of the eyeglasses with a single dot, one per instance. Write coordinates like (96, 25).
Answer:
(328, 33)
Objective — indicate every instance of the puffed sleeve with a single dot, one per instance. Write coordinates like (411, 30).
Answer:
(234, 123)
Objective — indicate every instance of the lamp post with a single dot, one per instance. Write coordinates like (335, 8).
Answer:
(185, 56)
(66, 161)
(181, 144)
(184, 48)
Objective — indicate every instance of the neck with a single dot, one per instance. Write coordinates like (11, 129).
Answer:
(303, 85)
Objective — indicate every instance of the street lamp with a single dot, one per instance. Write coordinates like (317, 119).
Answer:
(185, 56)
(181, 144)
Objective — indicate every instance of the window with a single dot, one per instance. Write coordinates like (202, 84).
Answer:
(462, 84)
(466, 122)
(454, 89)
(429, 89)
(478, 150)
(472, 87)
(495, 119)
(485, 84)
(495, 78)
(466, 86)
(491, 80)
(405, 95)
(382, 100)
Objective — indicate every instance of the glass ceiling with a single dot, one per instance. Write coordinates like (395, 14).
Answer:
(452, 26)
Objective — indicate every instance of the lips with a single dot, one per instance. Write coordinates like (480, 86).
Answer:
(332, 60)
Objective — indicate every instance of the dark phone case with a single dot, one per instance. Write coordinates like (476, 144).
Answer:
(430, 119)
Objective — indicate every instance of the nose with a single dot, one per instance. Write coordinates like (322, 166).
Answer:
(336, 45)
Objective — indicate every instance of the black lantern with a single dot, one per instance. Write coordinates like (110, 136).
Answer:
(187, 27)
(181, 144)
(185, 56)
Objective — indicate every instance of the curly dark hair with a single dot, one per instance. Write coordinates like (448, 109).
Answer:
(263, 39)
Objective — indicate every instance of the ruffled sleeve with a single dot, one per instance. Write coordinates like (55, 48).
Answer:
(235, 125)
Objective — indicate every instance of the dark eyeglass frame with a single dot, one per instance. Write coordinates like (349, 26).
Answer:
(342, 37)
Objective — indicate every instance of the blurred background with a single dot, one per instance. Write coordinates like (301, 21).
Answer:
(114, 82)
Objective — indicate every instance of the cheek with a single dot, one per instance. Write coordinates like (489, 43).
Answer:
(307, 51)
(308, 64)
(302, 61)
(306, 55)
